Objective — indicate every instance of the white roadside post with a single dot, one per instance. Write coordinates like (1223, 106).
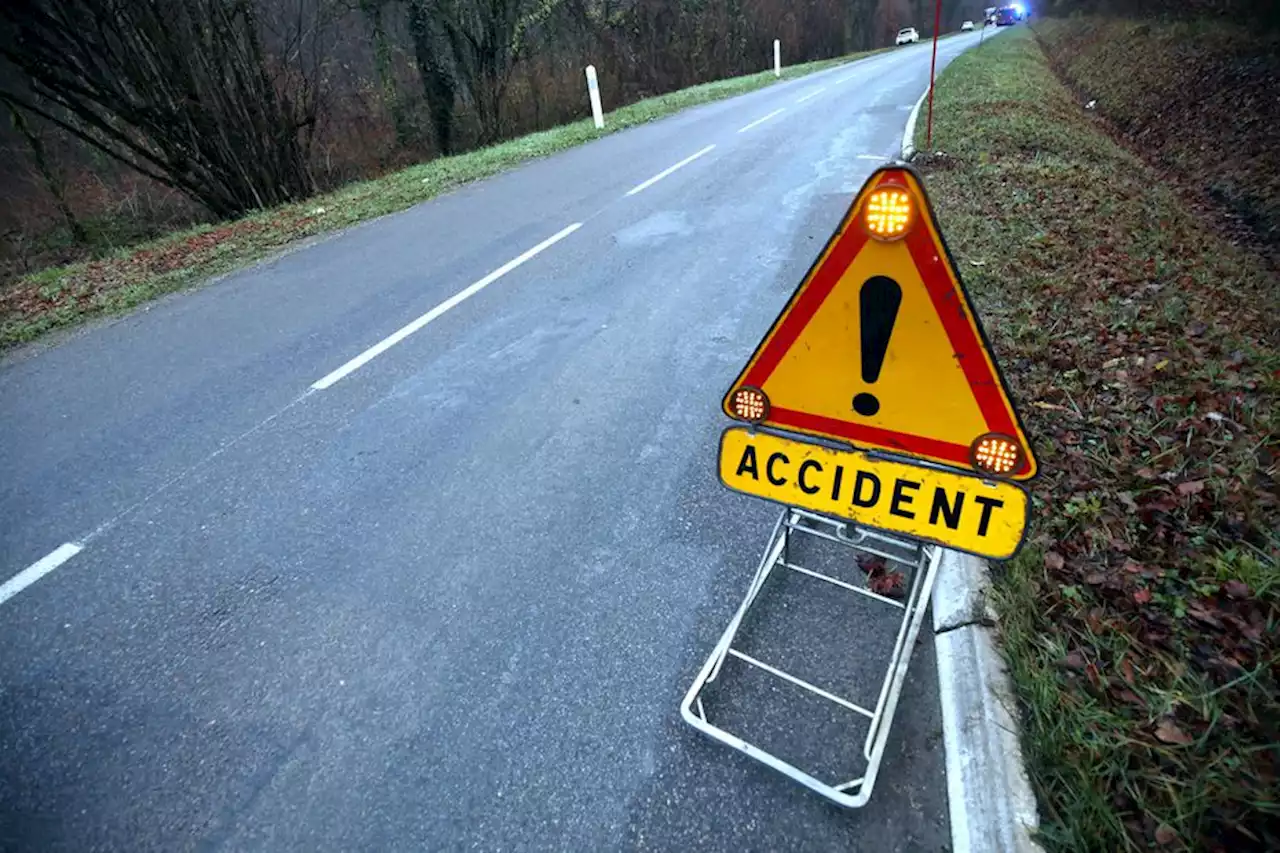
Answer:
(777, 58)
(593, 89)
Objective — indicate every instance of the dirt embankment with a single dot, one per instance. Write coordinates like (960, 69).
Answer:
(1199, 100)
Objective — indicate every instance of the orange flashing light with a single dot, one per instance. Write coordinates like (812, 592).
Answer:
(996, 454)
(889, 213)
(749, 404)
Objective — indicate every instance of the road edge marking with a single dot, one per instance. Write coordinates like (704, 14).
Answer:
(989, 797)
(667, 171)
(38, 569)
(461, 296)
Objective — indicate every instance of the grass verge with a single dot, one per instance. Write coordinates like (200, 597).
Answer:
(1141, 622)
(63, 296)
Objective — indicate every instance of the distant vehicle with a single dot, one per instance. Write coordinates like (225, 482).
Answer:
(907, 36)
(1007, 16)
(966, 26)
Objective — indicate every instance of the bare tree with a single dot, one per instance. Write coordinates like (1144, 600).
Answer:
(439, 86)
(48, 173)
(470, 48)
(184, 91)
(374, 12)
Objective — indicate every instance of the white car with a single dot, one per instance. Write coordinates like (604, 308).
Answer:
(967, 26)
(907, 36)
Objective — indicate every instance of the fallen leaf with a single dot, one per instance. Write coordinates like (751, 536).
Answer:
(1041, 404)
(1126, 498)
(1165, 834)
(1092, 672)
(887, 584)
(1236, 589)
(1126, 670)
(1191, 487)
(1162, 364)
(1164, 503)
(1199, 613)
(1146, 473)
(870, 563)
(1219, 418)
(1169, 732)
(1053, 561)
(1142, 596)
(1095, 578)
(1073, 660)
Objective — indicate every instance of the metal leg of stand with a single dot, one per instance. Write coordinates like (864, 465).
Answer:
(901, 657)
(853, 793)
(777, 545)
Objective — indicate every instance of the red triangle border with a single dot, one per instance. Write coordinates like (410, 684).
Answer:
(952, 312)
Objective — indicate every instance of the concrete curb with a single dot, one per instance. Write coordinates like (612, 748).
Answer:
(909, 135)
(992, 806)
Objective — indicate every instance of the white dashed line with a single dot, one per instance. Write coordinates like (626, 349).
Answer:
(37, 570)
(453, 301)
(877, 157)
(812, 94)
(685, 162)
(762, 120)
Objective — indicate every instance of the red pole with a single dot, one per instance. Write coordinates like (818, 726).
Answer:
(937, 22)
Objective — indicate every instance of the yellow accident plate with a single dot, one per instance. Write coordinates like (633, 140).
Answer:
(967, 513)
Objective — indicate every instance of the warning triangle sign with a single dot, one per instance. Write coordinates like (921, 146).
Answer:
(880, 347)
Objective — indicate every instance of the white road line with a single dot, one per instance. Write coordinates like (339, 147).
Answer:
(37, 570)
(762, 120)
(453, 301)
(685, 162)
(815, 93)
(878, 158)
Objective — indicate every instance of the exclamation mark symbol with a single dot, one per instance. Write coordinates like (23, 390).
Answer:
(878, 306)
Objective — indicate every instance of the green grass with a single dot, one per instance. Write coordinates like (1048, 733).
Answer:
(1141, 623)
(63, 296)
(1086, 749)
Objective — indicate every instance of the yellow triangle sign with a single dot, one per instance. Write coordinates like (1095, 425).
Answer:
(879, 346)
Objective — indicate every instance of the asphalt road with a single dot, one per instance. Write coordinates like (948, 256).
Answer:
(451, 597)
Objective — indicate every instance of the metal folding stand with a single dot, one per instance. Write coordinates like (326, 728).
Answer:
(916, 560)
